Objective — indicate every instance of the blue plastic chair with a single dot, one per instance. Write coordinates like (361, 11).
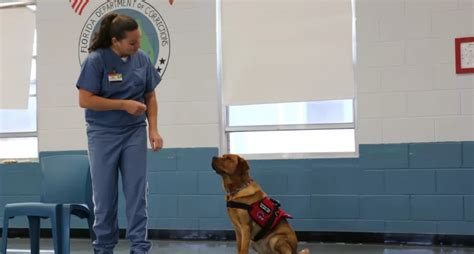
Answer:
(66, 190)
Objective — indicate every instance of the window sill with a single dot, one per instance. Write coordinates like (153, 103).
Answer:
(298, 156)
(18, 161)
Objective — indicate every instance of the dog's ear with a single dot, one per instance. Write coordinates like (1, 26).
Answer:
(243, 165)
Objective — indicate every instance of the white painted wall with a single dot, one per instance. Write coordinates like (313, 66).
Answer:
(187, 96)
(408, 90)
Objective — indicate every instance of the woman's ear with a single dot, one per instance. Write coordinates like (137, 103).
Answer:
(114, 40)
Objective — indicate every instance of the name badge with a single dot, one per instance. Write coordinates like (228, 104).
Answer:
(115, 77)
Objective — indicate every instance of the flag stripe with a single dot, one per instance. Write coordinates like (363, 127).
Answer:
(78, 6)
(83, 6)
(73, 4)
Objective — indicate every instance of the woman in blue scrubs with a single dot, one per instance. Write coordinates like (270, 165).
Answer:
(116, 87)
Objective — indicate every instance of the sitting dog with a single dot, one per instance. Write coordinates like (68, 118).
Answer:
(257, 220)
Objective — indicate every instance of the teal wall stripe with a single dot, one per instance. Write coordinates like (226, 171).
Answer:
(392, 188)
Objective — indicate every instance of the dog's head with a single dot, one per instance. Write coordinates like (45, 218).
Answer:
(233, 169)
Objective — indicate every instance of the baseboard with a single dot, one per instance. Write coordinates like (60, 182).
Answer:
(328, 237)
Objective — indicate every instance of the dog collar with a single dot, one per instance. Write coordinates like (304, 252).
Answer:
(243, 186)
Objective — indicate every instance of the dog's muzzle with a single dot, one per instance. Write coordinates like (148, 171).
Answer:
(214, 161)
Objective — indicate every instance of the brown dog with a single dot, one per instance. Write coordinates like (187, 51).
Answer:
(242, 193)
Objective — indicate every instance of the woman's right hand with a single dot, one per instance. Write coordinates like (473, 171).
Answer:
(134, 107)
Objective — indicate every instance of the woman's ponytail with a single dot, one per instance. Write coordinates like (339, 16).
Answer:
(112, 25)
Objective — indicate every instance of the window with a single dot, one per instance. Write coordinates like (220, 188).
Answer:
(287, 92)
(18, 129)
(288, 130)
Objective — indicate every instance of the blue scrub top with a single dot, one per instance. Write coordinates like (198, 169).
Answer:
(139, 77)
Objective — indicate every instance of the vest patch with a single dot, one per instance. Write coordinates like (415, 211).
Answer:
(262, 211)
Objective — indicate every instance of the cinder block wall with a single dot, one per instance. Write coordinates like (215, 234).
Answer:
(423, 188)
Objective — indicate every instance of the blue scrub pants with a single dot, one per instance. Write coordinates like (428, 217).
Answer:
(112, 150)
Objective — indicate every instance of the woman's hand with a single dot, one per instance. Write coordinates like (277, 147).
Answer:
(156, 141)
(134, 107)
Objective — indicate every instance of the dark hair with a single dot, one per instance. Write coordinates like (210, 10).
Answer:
(112, 25)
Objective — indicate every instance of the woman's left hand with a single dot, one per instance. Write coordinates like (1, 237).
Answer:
(156, 141)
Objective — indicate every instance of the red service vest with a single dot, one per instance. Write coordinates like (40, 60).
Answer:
(266, 213)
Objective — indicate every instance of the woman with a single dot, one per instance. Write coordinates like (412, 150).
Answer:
(116, 87)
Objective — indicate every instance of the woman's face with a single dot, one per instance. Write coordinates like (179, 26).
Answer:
(128, 45)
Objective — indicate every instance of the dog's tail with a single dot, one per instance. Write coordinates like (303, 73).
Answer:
(305, 251)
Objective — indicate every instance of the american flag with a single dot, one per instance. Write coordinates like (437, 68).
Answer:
(78, 5)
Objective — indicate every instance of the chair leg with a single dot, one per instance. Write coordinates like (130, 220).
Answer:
(4, 234)
(90, 222)
(65, 228)
(34, 222)
(56, 230)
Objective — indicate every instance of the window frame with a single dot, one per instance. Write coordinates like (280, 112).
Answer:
(223, 110)
(33, 82)
(226, 130)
